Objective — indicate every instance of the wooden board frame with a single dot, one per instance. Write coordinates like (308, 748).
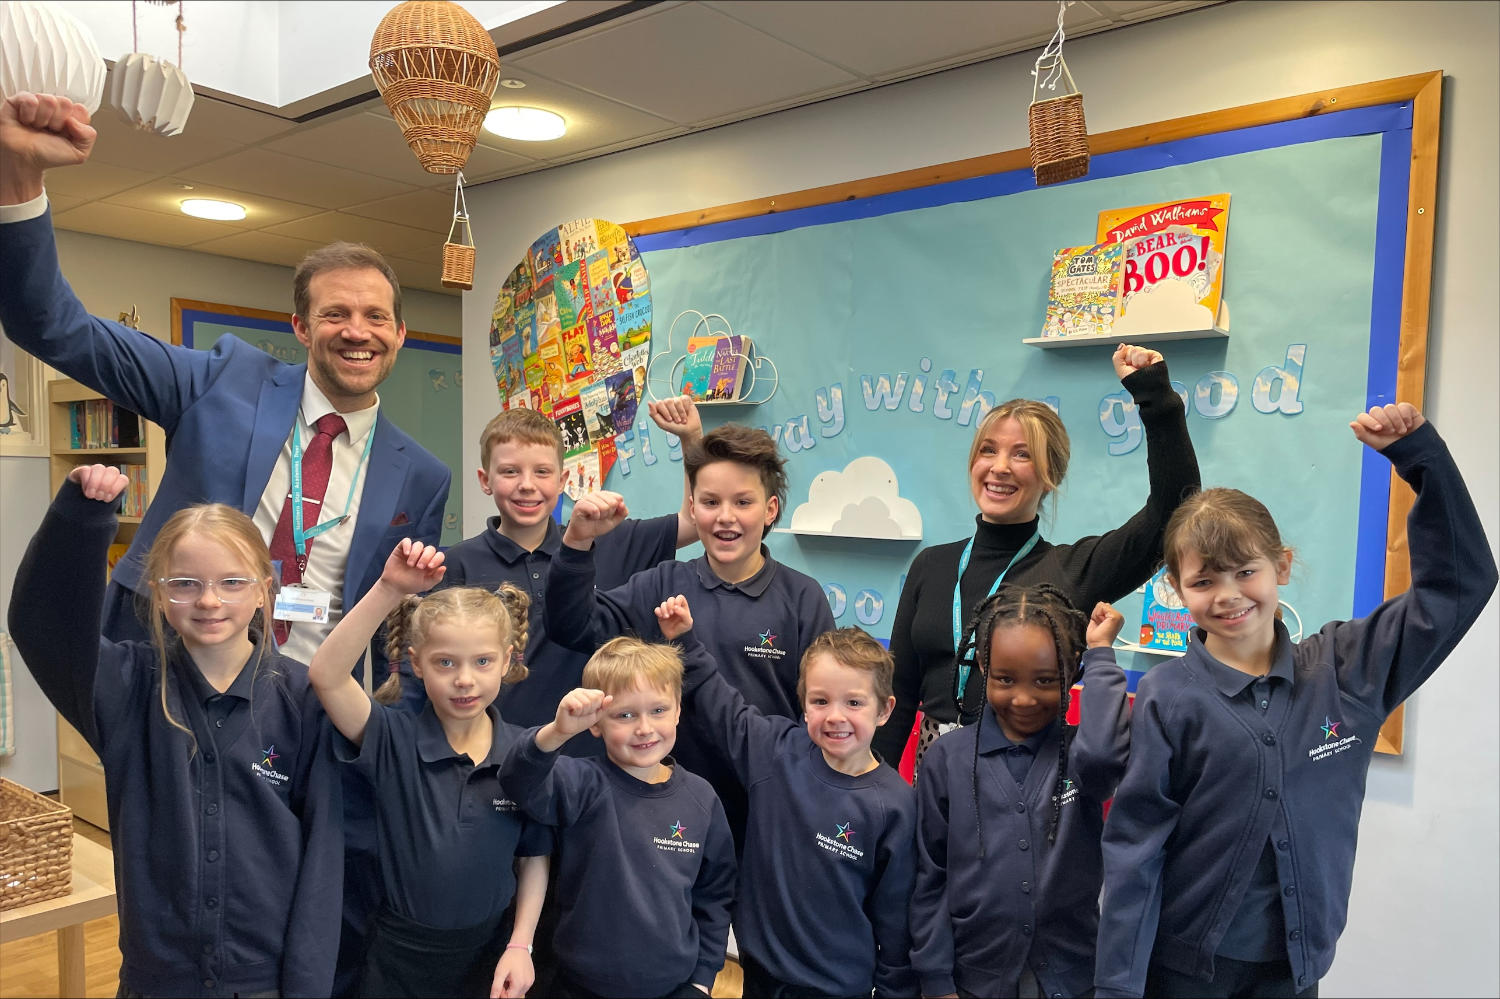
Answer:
(1424, 90)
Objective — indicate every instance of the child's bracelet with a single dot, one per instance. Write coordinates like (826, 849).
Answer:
(519, 946)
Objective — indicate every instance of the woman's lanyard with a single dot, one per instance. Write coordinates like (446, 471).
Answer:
(299, 536)
(965, 667)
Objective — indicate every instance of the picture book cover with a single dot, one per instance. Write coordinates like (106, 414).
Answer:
(606, 450)
(576, 364)
(569, 287)
(696, 368)
(622, 400)
(633, 323)
(553, 375)
(526, 327)
(579, 238)
(1165, 621)
(548, 324)
(546, 256)
(635, 361)
(601, 286)
(1085, 290)
(623, 288)
(611, 234)
(520, 400)
(594, 398)
(1173, 277)
(514, 365)
(580, 474)
(726, 378)
(604, 344)
(640, 284)
(568, 415)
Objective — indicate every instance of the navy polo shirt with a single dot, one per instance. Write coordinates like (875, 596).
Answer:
(813, 834)
(993, 897)
(1213, 776)
(227, 837)
(441, 818)
(644, 876)
(756, 631)
(1018, 756)
(490, 558)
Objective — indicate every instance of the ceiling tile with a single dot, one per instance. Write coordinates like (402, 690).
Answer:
(166, 196)
(60, 203)
(141, 226)
(425, 273)
(216, 117)
(94, 180)
(124, 145)
(387, 237)
(686, 64)
(261, 171)
(430, 210)
(265, 247)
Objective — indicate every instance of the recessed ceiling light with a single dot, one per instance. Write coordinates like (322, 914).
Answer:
(511, 83)
(208, 208)
(527, 124)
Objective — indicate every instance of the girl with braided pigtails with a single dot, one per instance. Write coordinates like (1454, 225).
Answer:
(1010, 811)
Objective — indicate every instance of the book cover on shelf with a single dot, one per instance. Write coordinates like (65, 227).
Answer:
(726, 377)
(1173, 278)
(1085, 290)
(1165, 621)
(696, 368)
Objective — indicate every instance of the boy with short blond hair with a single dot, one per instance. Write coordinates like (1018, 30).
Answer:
(645, 871)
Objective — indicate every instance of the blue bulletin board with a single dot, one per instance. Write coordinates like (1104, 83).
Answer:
(896, 320)
(423, 395)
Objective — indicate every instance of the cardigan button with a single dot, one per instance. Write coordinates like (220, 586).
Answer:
(1268, 739)
(1024, 845)
(1020, 806)
(1271, 793)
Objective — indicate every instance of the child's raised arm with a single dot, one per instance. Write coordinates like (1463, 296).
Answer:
(412, 568)
(679, 415)
(1384, 425)
(578, 711)
(594, 515)
(674, 618)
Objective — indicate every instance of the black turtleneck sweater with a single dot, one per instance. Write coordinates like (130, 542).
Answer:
(1104, 567)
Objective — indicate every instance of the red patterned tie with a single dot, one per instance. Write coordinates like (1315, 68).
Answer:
(317, 462)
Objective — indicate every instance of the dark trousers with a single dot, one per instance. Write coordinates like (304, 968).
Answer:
(565, 988)
(761, 984)
(407, 958)
(1232, 980)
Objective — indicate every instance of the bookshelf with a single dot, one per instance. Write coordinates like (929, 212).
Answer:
(80, 776)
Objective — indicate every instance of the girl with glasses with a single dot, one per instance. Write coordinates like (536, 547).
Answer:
(223, 791)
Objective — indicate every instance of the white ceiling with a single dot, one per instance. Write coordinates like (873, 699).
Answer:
(622, 74)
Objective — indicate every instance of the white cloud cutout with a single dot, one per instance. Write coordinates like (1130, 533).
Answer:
(864, 500)
(1170, 306)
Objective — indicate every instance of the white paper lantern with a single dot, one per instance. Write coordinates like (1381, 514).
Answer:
(151, 93)
(45, 50)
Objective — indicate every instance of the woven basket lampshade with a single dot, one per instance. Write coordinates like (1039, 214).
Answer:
(1059, 136)
(436, 67)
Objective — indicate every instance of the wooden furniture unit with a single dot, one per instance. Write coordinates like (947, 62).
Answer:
(90, 896)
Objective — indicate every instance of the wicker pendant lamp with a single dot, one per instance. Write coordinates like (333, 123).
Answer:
(436, 67)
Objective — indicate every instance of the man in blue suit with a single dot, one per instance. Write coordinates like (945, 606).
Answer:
(233, 415)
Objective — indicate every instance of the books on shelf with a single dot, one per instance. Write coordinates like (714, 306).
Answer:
(99, 423)
(1165, 621)
(1173, 279)
(1085, 291)
(715, 367)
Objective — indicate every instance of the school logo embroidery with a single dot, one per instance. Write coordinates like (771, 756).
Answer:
(266, 768)
(1332, 743)
(1069, 792)
(676, 841)
(841, 843)
(766, 646)
(505, 805)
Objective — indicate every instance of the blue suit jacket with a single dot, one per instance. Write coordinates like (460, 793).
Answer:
(226, 412)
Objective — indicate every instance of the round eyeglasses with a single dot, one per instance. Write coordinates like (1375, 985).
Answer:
(187, 590)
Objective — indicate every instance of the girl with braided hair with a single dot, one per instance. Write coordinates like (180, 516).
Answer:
(448, 834)
(1010, 811)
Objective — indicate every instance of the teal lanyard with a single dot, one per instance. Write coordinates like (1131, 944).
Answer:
(299, 536)
(964, 668)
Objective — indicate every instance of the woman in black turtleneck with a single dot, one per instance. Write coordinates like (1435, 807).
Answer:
(1019, 455)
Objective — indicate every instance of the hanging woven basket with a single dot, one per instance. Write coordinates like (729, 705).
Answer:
(1059, 136)
(458, 252)
(436, 67)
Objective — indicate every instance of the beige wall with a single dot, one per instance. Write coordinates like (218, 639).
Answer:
(1424, 917)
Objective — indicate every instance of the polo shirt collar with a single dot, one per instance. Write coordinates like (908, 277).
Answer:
(433, 745)
(509, 552)
(242, 685)
(754, 586)
(1232, 682)
(315, 406)
(992, 738)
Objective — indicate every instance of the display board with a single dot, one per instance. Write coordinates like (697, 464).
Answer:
(896, 308)
(423, 395)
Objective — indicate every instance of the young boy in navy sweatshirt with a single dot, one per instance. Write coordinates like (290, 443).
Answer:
(645, 874)
(828, 862)
(757, 616)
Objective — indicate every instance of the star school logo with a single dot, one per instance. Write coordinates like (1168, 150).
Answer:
(1330, 728)
(767, 640)
(266, 770)
(269, 756)
(845, 833)
(677, 830)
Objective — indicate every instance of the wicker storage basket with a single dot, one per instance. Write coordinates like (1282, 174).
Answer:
(1059, 136)
(36, 846)
(458, 266)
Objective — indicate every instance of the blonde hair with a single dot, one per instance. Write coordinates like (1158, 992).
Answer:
(1045, 435)
(524, 426)
(1227, 528)
(854, 648)
(624, 664)
(407, 626)
(228, 527)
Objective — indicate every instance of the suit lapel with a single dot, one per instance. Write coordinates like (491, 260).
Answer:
(275, 410)
(385, 481)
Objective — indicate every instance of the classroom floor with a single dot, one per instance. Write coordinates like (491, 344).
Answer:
(28, 968)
